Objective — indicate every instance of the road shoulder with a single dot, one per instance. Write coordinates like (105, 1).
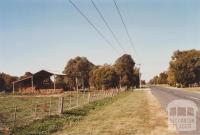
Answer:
(138, 113)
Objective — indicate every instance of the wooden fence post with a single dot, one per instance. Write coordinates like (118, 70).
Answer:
(50, 107)
(100, 95)
(77, 99)
(112, 92)
(97, 96)
(70, 100)
(94, 96)
(61, 105)
(36, 111)
(91, 97)
(88, 97)
(14, 116)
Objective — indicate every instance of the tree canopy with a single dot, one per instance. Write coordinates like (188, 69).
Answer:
(184, 69)
(27, 74)
(79, 68)
(161, 79)
(81, 73)
(104, 77)
(124, 66)
(6, 81)
(122, 73)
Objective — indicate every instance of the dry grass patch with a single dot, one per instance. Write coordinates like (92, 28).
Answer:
(138, 113)
(196, 89)
(158, 117)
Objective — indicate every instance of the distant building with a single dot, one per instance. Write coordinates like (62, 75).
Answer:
(36, 83)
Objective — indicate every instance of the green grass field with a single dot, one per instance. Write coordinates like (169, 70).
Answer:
(70, 118)
(130, 112)
(18, 111)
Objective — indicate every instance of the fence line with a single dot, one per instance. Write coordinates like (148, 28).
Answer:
(20, 115)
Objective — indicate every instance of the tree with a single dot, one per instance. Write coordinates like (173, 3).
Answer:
(163, 78)
(92, 76)
(184, 69)
(6, 81)
(143, 82)
(2, 84)
(104, 77)
(60, 82)
(155, 80)
(27, 74)
(136, 77)
(124, 67)
(78, 68)
(171, 78)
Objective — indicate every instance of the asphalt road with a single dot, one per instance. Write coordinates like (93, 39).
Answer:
(167, 95)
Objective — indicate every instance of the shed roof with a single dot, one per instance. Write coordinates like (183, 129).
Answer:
(39, 74)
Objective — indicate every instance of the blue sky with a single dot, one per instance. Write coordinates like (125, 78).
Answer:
(45, 34)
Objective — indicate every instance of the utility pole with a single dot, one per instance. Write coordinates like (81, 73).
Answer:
(77, 84)
(77, 100)
(54, 83)
(120, 79)
(140, 76)
(13, 87)
(32, 84)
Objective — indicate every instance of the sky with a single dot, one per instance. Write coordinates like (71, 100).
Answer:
(45, 34)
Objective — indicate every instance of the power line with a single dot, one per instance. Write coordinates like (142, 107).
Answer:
(107, 25)
(125, 27)
(90, 22)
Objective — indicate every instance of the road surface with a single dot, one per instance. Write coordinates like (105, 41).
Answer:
(167, 95)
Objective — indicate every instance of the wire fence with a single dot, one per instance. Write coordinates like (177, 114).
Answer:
(17, 111)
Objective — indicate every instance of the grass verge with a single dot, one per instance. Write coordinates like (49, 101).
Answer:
(196, 89)
(139, 113)
(52, 124)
